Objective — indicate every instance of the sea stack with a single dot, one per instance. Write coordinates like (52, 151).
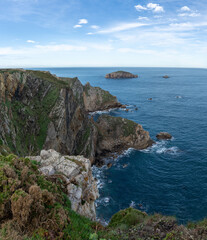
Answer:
(120, 74)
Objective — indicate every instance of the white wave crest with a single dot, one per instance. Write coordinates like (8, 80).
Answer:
(160, 147)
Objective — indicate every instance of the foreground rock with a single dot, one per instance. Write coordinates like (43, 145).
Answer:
(76, 170)
(117, 134)
(163, 136)
(120, 74)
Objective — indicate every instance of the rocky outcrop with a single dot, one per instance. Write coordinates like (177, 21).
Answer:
(96, 99)
(76, 170)
(166, 76)
(120, 74)
(163, 136)
(117, 134)
(41, 111)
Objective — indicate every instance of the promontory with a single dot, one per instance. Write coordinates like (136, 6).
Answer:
(120, 74)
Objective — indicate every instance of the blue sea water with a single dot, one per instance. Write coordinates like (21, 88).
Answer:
(171, 177)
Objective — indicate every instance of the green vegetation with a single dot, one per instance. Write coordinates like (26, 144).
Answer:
(38, 205)
(35, 207)
(30, 118)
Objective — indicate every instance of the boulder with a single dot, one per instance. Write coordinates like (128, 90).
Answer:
(163, 136)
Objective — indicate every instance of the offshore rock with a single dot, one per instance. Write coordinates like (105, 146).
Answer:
(120, 74)
(163, 136)
(76, 170)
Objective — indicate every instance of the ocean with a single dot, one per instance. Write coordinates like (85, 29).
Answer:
(171, 177)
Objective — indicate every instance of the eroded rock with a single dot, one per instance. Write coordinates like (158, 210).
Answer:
(76, 170)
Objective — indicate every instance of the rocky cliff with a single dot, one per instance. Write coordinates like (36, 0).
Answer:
(117, 134)
(120, 74)
(39, 110)
(76, 172)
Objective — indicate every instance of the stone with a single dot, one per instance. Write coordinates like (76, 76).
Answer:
(166, 76)
(163, 136)
(81, 186)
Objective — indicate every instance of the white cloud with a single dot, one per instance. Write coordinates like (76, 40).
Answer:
(150, 6)
(10, 51)
(77, 26)
(139, 51)
(187, 12)
(155, 7)
(143, 18)
(140, 7)
(83, 21)
(192, 14)
(185, 9)
(122, 27)
(95, 27)
(60, 47)
(30, 41)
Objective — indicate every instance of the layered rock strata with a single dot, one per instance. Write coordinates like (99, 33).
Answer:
(76, 171)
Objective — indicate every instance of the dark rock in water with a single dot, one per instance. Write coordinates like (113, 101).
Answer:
(150, 99)
(136, 108)
(120, 74)
(163, 136)
(127, 110)
(109, 165)
(125, 165)
(166, 76)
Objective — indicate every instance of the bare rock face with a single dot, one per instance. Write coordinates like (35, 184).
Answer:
(117, 134)
(120, 74)
(163, 136)
(41, 111)
(96, 99)
(76, 170)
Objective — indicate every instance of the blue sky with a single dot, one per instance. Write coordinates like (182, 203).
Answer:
(73, 33)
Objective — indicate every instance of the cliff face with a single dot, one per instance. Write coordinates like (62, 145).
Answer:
(117, 134)
(96, 99)
(76, 171)
(39, 110)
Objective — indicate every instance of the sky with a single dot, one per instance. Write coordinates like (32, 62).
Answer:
(103, 33)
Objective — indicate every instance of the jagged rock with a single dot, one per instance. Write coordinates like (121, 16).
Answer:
(81, 186)
(96, 99)
(39, 110)
(117, 134)
(120, 74)
(163, 136)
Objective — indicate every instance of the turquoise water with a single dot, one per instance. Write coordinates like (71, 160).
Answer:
(171, 177)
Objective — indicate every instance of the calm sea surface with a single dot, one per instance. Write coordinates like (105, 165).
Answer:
(171, 177)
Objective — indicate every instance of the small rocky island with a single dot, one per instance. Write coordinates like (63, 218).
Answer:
(166, 76)
(120, 74)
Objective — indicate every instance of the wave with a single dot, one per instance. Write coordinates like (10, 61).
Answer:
(160, 147)
(105, 111)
